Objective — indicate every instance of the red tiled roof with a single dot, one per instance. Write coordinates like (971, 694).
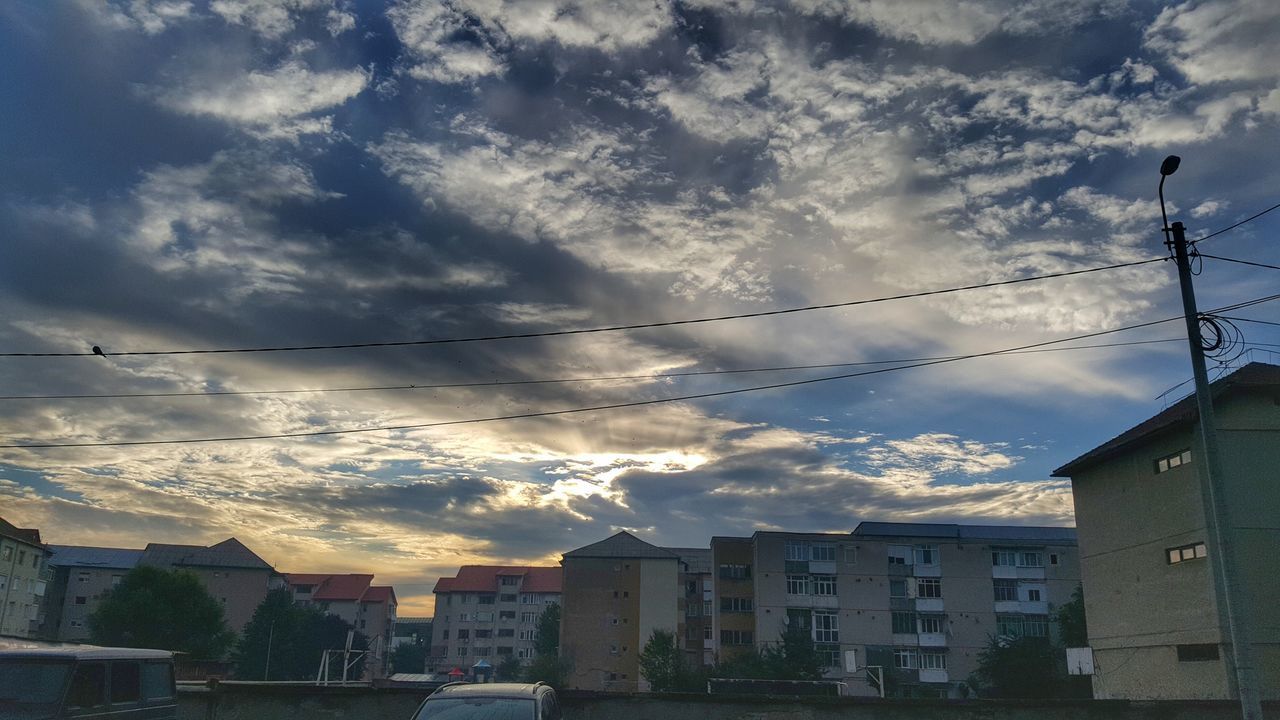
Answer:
(484, 578)
(380, 593)
(332, 587)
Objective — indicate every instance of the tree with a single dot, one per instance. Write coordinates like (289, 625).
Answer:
(167, 610)
(794, 657)
(548, 641)
(508, 669)
(662, 662)
(1026, 667)
(1072, 629)
(297, 637)
(548, 666)
(409, 658)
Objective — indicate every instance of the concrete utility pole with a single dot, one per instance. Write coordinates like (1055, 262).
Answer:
(1228, 584)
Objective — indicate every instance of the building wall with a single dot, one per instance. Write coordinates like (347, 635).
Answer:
(22, 568)
(656, 607)
(601, 620)
(728, 553)
(1142, 607)
(240, 590)
(78, 593)
(449, 651)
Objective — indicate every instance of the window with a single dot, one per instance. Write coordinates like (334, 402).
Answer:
(826, 627)
(483, 651)
(904, 623)
(487, 599)
(693, 609)
(468, 599)
(505, 650)
(1009, 625)
(157, 681)
(528, 599)
(735, 604)
(81, 600)
(933, 661)
(462, 652)
(1033, 595)
(928, 587)
(830, 655)
(1197, 653)
(735, 637)
(88, 686)
(526, 635)
(1053, 558)
(507, 597)
(484, 617)
(706, 608)
(851, 556)
(1035, 626)
(1169, 462)
(7, 552)
(897, 588)
(931, 624)
(510, 580)
(898, 555)
(926, 554)
(528, 617)
(797, 551)
(464, 617)
(1004, 558)
(824, 585)
(904, 659)
(506, 632)
(4, 581)
(799, 618)
(484, 633)
(464, 634)
(22, 557)
(797, 584)
(506, 614)
(1030, 559)
(735, 572)
(706, 633)
(82, 576)
(126, 682)
(1006, 590)
(444, 635)
(1194, 551)
(824, 552)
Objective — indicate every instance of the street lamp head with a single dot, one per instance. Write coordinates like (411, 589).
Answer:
(1170, 165)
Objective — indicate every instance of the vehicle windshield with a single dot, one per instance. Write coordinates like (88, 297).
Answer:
(31, 688)
(477, 708)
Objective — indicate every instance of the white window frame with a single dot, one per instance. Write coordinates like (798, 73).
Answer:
(796, 551)
(826, 627)
(825, 585)
(822, 552)
(904, 659)
(1030, 558)
(932, 660)
(798, 584)
(922, 583)
(925, 554)
(930, 624)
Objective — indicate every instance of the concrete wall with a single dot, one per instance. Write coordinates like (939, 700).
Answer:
(238, 702)
(657, 606)
(23, 586)
(600, 621)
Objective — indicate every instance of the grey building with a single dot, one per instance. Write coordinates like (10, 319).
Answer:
(1154, 624)
(23, 580)
(487, 613)
(916, 601)
(81, 576)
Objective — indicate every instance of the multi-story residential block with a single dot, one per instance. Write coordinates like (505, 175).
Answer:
(915, 601)
(693, 607)
(81, 576)
(487, 613)
(368, 608)
(1155, 625)
(23, 580)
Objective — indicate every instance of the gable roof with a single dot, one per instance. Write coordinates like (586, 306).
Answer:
(30, 536)
(1180, 414)
(229, 553)
(622, 545)
(484, 578)
(349, 587)
(380, 593)
(94, 557)
(952, 531)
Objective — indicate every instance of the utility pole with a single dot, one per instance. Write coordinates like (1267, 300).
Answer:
(271, 635)
(1228, 584)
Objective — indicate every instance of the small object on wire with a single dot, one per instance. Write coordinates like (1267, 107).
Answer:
(98, 351)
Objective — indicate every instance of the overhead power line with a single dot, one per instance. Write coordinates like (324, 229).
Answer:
(578, 410)
(1252, 320)
(1241, 262)
(585, 331)
(1249, 219)
(551, 381)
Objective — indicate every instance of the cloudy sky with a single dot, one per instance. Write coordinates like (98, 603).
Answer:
(247, 173)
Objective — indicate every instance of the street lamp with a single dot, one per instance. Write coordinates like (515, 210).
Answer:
(1228, 585)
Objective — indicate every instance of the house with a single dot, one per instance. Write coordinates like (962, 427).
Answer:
(917, 601)
(1154, 624)
(616, 593)
(488, 613)
(368, 608)
(23, 580)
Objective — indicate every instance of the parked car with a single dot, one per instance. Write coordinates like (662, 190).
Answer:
(52, 683)
(491, 701)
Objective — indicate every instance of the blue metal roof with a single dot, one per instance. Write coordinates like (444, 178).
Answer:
(966, 532)
(79, 556)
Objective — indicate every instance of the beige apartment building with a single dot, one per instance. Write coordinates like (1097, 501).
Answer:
(616, 593)
(1154, 623)
(232, 573)
(914, 601)
(693, 607)
(368, 608)
(23, 580)
(487, 613)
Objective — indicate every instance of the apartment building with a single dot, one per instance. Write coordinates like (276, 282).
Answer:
(368, 608)
(1155, 625)
(487, 613)
(23, 580)
(915, 601)
(693, 607)
(616, 593)
(81, 576)
(232, 573)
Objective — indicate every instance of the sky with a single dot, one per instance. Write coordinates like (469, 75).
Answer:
(260, 173)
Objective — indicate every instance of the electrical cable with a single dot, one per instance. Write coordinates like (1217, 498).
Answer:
(571, 411)
(1242, 262)
(1249, 219)
(596, 378)
(583, 331)
(1251, 320)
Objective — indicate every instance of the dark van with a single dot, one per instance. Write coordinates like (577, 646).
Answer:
(84, 681)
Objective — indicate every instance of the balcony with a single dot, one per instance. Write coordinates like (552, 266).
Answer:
(933, 639)
(926, 570)
(929, 605)
(1008, 606)
(933, 676)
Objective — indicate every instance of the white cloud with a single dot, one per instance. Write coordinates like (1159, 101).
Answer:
(271, 104)
(270, 19)
(1219, 40)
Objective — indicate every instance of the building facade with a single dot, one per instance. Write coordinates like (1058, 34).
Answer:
(487, 613)
(23, 580)
(81, 576)
(367, 608)
(617, 593)
(693, 608)
(1147, 557)
(915, 603)
(232, 573)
